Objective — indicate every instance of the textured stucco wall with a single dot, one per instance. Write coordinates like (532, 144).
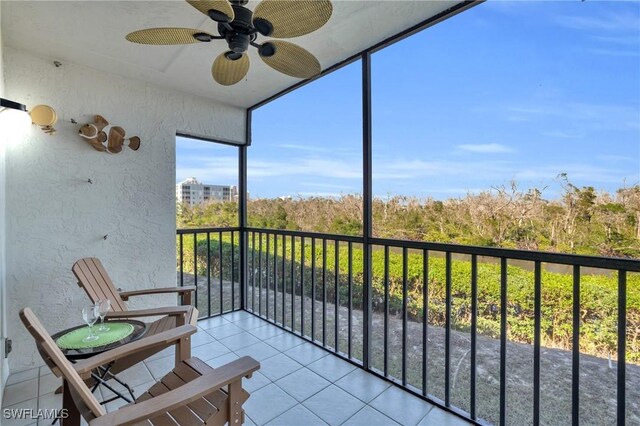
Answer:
(54, 217)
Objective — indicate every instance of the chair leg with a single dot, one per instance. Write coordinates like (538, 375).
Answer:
(183, 347)
(235, 409)
(186, 298)
(70, 410)
(183, 350)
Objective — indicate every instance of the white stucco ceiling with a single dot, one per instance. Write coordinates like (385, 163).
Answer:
(92, 33)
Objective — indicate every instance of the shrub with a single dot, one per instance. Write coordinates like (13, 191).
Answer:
(598, 304)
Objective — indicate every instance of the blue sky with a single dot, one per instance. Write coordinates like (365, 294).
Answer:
(506, 91)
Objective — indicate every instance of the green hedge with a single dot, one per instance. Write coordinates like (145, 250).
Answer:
(214, 246)
(598, 305)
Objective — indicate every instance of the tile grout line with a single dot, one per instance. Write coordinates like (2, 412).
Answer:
(428, 412)
(293, 372)
(365, 406)
(299, 402)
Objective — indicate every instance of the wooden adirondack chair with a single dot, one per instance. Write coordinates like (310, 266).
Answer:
(95, 281)
(192, 394)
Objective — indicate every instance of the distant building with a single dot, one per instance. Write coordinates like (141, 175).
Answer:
(192, 192)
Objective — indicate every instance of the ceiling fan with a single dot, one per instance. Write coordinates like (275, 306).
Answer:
(240, 27)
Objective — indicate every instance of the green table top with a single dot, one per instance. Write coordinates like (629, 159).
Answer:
(74, 339)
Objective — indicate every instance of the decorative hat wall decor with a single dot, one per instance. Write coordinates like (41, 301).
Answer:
(106, 138)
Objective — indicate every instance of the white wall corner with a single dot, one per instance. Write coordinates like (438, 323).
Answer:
(4, 368)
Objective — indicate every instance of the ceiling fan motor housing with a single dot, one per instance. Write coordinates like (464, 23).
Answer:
(240, 32)
(238, 43)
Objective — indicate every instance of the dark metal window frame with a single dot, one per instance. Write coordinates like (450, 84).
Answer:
(242, 215)
(367, 241)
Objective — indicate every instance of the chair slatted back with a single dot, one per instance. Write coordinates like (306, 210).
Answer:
(95, 281)
(82, 396)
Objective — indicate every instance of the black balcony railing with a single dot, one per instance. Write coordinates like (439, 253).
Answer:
(210, 260)
(491, 334)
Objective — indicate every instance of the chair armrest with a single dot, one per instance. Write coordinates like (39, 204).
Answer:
(161, 339)
(166, 310)
(181, 396)
(181, 290)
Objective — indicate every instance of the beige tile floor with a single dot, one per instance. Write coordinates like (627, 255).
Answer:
(298, 383)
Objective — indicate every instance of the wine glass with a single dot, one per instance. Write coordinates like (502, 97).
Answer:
(90, 316)
(104, 306)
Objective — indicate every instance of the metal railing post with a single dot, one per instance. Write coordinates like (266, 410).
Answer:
(242, 213)
(367, 205)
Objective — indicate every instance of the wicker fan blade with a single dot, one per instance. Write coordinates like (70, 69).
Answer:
(166, 36)
(291, 18)
(218, 10)
(289, 58)
(227, 70)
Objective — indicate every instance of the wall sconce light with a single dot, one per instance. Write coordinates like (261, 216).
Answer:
(14, 119)
(6, 103)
